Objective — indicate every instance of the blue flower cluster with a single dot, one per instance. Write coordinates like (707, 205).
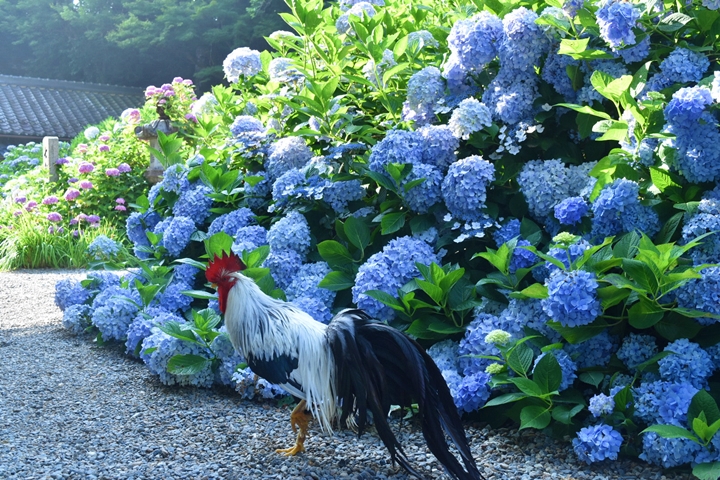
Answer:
(176, 233)
(425, 89)
(636, 349)
(389, 270)
(663, 402)
(544, 184)
(246, 124)
(69, 292)
(601, 404)
(571, 210)
(465, 187)
(114, 309)
(473, 343)
(689, 363)
(164, 348)
(103, 248)
(668, 452)
(702, 294)
(617, 20)
(175, 179)
(286, 153)
(472, 392)
(241, 62)
(305, 283)
(593, 352)
(618, 209)
(511, 95)
(141, 327)
(231, 222)
(291, 232)
(77, 318)
(681, 66)
(438, 146)
(137, 226)
(194, 203)
(249, 238)
(398, 146)
(597, 443)
(338, 194)
(524, 42)
(474, 41)
(283, 264)
(572, 297)
(554, 72)
(422, 197)
(469, 116)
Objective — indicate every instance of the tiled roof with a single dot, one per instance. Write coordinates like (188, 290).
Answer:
(36, 107)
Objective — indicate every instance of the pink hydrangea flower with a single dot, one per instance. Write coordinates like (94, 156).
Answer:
(86, 167)
(124, 168)
(187, 81)
(191, 117)
(54, 217)
(150, 91)
(104, 148)
(82, 148)
(112, 172)
(177, 80)
(120, 200)
(75, 234)
(86, 184)
(17, 213)
(104, 137)
(50, 200)
(120, 208)
(62, 161)
(93, 219)
(72, 194)
(81, 217)
(30, 205)
(130, 115)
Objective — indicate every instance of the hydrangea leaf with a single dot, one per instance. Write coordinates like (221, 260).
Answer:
(357, 232)
(702, 401)
(564, 413)
(187, 364)
(671, 431)
(547, 374)
(337, 281)
(520, 359)
(392, 222)
(505, 398)
(335, 254)
(707, 471)
(534, 416)
(527, 386)
(674, 327)
(592, 378)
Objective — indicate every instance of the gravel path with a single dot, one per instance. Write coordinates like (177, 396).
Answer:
(72, 410)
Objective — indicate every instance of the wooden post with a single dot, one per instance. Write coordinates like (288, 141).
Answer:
(51, 153)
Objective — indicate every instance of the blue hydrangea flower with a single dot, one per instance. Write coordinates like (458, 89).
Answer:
(554, 72)
(425, 88)
(475, 41)
(593, 352)
(601, 404)
(641, 218)
(420, 39)
(472, 392)
(114, 309)
(635, 53)
(283, 265)
(465, 187)
(248, 385)
(681, 66)
(445, 355)
(176, 234)
(690, 363)
(511, 95)
(570, 7)
(571, 210)
(283, 70)
(313, 307)
(438, 146)
(544, 184)
(103, 280)
(292, 232)
(587, 93)
(529, 313)
(687, 105)
(246, 124)
(636, 349)
(305, 283)
(361, 10)
(422, 197)
(194, 203)
(286, 153)
(241, 62)
(389, 270)
(668, 452)
(286, 185)
(339, 194)
(597, 443)
(702, 294)
(167, 347)
(507, 232)
(566, 254)
(663, 402)
(103, 247)
(137, 226)
(69, 292)
(524, 42)
(142, 326)
(175, 179)
(469, 117)
(184, 273)
(697, 149)
(473, 343)
(614, 201)
(76, 318)
(616, 20)
(172, 300)
(249, 238)
(567, 367)
(232, 221)
(398, 146)
(572, 297)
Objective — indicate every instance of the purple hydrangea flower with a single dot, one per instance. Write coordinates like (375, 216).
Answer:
(54, 217)
(112, 172)
(50, 200)
(86, 167)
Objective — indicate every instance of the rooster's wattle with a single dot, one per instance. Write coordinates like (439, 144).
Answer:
(340, 370)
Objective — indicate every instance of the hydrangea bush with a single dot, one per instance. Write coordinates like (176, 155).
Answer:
(529, 191)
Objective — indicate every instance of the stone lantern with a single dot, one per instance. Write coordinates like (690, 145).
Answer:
(149, 133)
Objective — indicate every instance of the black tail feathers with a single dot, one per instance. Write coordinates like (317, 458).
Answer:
(378, 366)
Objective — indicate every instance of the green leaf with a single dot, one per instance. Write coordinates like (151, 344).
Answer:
(534, 416)
(547, 373)
(536, 290)
(218, 244)
(707, 471)
(400, 47)
(611, 295)
(527, 386)
(702, 401)
(673, 327)
(201, 294)
(581, 333)
(386, 298)
(174, 329)
(187, 364)
(592, 378)
(505, 398)
(357, 232)
(432, 290)
(392, 222)
(585, 109)
(520, 359)
(671, 431)
(444, 328)
(612, 130)
(645, 313)
(335, 254)
(662, 179)
(565, 413)
(337, 281)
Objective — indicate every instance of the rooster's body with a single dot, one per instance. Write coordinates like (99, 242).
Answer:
(340, 370)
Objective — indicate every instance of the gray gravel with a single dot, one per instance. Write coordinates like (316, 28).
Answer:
(70, 409)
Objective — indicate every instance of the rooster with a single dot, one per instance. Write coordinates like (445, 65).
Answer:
(340, 370)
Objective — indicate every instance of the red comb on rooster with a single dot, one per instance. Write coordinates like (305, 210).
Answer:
(342, 370)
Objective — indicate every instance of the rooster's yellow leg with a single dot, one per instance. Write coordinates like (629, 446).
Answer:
(299, 419)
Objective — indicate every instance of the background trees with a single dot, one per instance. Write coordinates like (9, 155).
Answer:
(130, 42)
